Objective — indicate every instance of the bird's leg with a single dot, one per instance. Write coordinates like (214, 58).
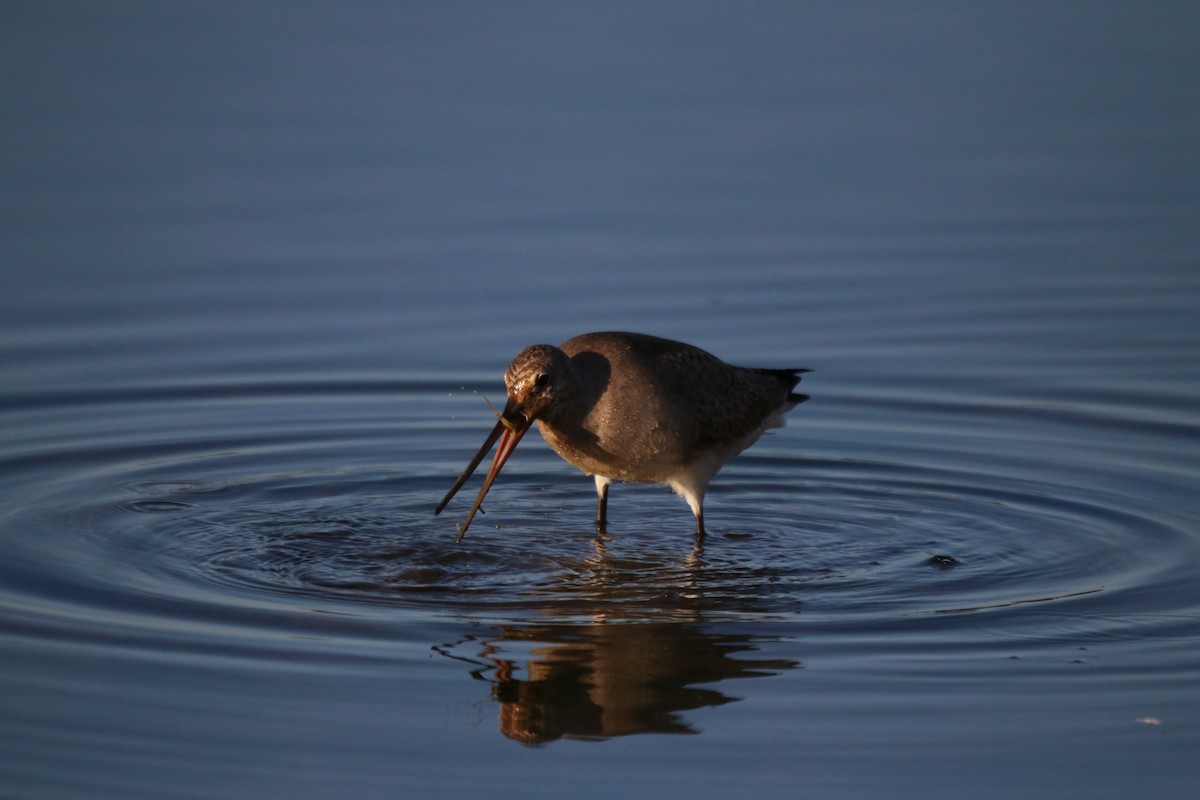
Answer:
(602, 503)
(699, 524)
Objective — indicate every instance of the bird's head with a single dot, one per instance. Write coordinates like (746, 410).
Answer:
(533, 380)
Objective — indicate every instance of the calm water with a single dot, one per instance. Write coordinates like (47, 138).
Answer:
(262, 262)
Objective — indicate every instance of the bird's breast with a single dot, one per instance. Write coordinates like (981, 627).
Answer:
(639, 459)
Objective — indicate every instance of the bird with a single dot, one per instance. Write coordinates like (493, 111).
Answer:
(635, 408)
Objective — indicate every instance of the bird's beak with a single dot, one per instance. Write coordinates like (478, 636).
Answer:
(509, 429)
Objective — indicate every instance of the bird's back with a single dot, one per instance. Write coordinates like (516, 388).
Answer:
(667, 402)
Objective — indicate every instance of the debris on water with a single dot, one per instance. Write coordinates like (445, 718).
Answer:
(942, 561)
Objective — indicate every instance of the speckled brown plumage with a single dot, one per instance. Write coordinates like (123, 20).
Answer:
(632, 407)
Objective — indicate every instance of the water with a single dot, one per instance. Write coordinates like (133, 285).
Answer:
(261, 261)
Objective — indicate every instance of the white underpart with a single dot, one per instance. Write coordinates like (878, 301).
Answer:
(776, 420)
(691, 481)
(693, 494)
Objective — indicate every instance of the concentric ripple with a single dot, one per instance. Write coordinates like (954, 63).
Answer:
(859, 527)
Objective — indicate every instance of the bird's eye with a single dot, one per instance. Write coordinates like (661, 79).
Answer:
(541, 381)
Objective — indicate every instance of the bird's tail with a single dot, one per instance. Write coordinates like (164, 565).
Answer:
(788, 378)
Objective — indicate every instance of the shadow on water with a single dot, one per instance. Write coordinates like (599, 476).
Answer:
(597, 681)
(626, 650)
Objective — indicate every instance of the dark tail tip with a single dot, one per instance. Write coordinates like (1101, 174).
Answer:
(788, 377)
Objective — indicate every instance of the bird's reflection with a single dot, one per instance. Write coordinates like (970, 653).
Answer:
(596, 681)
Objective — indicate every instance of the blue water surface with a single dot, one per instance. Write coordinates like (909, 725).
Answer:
(262, 263)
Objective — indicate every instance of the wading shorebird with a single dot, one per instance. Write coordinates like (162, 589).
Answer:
(636, 408)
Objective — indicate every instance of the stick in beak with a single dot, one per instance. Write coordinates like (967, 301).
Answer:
(509, 433)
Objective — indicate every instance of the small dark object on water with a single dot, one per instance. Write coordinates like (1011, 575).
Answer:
(942, 561)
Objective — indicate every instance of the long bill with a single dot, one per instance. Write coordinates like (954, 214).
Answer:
(509, 433)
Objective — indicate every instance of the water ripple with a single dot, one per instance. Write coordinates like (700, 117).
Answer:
(861, 534)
